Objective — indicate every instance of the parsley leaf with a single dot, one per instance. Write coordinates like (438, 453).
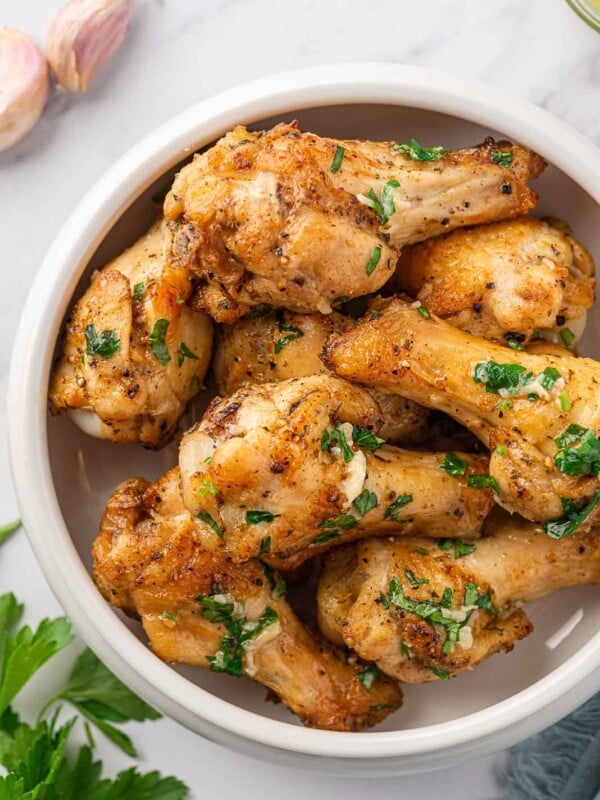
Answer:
(365, 502)
(368, 676)
(483, 482)
(157, 340)
(337, 438)
(373, 260)
(413, 580)
(206, 517)
(571, 519)
(582, 459)
(257, 517)
(392, 510)
(345, 522)
(567, 336)
(291, 331)
(324, 537)
(363, 437)
(458, 547)
(440, 673)
(104, 344)
(418, 153)
(510, 378)
(503, 158)
(183, 353)
(337, 158)
(454, 465)
(138, 291)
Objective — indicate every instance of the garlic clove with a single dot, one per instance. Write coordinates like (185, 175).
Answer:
(82, 36)
(23, 85)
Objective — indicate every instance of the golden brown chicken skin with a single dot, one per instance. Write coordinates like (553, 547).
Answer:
(290, 469)
(422, 610)
(265, 217)
(133, 354)
(279, 345)
(153, 560)
(507, 281)
(538, 414)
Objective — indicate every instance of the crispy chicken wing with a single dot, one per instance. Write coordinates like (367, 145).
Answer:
(133, 353)
(422, 610)
(272, 217)
(506, 281)
(279, 345)
(153, 560)
(539, 414)
(289, 469)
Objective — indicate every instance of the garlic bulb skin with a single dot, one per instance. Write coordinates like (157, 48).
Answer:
(23, 85)
(82, 36)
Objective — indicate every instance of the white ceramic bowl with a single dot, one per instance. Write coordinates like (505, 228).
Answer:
(63, 477)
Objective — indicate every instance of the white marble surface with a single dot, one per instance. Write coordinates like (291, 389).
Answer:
(177, 52)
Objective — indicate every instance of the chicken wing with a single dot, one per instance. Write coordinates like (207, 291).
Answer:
(295, 220)
(422, 610)
(507, 282)
(279, 345)
(153, 560)
(289, 469)
(539, 414)
(133, 353)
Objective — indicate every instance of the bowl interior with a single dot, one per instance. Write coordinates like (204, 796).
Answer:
(85, 470)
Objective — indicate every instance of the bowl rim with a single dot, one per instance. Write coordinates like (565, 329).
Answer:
(368, 83)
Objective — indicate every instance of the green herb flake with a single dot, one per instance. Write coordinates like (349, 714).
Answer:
(418, 153)
(104, 344)
(373, 260)
(501, 450)
(183, 353)
(454, 465)
(440, 673)
(345, 522)
(387, 198)
(240, 632)
(363, 437)
(471, 594)
(157, 340)
(138, 292)
(412, 578)
(498, 378)
(458, 547)
(483, 482)
(8, 529)
(324, 537)
(567, 337)
(207, 487)
(258, 517)
(365, 502)
(549, 377)
(422, 551)
(206, 517)
(171, 615)
(368, 676)
(564, 402)
(514, 344)
(337, 158)
(391, 512)
(292, 332)
(383, 599)
(424, 311)
(265, 546)
(572, 518)
(337, 438)
(503, 158)
(579, 452)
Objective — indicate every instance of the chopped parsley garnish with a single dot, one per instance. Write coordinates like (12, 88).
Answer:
(138, 291)
(564, 402)
(257, 517)
(384, 207)
(503, 158)
(471, 594)
(259, 311)
(104, 344)
(391, 512)
(373, 260)
(483, 482)
(384, 600)
(418, 153)
(579, 452)
(454, 465)
(291, 333)
(501, 450)
(440, 673)
(368, 676)
(363, 437)
(345, 522)
(447, 596)
(207, 487)
(413, 580)
(158, 343)
(277, 586)
(240, 632)
(326, 536)
(424, 312)
(549, 377)
(171, 615)
(458, 547)
(514, 344)
(422, 551)
(509, 378)
(183, 353)
(265, 546)
(337, 158)
(206, 517)
(365, 502)
(337, 438)
(571, 519)
(567, 336)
